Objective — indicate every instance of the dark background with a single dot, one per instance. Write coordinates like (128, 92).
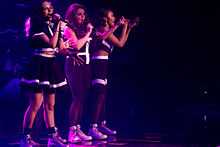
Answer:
(164, 81)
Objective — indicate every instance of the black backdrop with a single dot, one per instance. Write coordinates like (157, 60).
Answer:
(165, 80)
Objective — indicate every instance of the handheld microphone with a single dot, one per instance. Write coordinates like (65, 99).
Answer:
(135, 20)
(57, 17)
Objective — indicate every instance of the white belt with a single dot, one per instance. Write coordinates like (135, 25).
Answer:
(86, 53)
(47, 49)
(44, 55)
(99, 81)
(99, 57)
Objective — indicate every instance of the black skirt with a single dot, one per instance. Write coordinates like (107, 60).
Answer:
(43, 72)
(99, 69)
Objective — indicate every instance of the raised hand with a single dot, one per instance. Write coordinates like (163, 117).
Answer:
(134, 22)
(62, 25)
(67, 44)
(89, 27)
(121, 21)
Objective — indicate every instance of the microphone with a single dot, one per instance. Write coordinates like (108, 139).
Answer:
(135, 20)
(57, 17)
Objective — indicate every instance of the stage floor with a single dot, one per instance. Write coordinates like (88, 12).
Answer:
(114, 142)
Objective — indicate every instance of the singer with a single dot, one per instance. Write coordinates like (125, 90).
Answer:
(42, 75)
(102, 46)
(77, 67)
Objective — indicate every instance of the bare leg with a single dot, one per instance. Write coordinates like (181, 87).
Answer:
(74, 112)
(100, 97)
(49, 103)
(30, 114)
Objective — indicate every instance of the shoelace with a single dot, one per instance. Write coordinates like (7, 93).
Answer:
(105, 127)
(81, 133)
(29, 139)
(59, 138)
(97, 131)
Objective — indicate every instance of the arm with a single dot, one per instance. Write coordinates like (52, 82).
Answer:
(63, 46)
(124, 35)
(120, 42)
(106, 34)
(51, 41)
(74, 41)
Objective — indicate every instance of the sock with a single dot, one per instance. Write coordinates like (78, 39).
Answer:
(51, 130)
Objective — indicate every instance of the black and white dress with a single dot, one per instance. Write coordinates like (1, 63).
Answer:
(43, 70)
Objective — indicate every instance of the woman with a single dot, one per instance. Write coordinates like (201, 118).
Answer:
(103, 43)
(43, 74)
(77, 67)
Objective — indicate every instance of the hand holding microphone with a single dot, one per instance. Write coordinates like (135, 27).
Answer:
(89, 27)
(133, 22)
(62, 25)
(60, 22)
(130, 22)
(121, 21)
(57, 17)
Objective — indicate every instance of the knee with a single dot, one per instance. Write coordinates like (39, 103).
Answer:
(35, 106)
(49, 107)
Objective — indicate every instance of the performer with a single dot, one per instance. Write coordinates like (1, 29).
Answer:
(102, 47)
(77, 67)
(43, 74)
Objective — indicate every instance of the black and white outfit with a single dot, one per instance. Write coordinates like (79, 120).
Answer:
(99, 66)
(43, 72)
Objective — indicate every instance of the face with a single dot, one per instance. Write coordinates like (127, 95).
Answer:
(80, 16)
(47, 10)
(110, 18)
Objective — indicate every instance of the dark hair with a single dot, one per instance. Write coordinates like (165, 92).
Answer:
(36, 20)
(36, 11)
(36, 8)
(101, 17)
